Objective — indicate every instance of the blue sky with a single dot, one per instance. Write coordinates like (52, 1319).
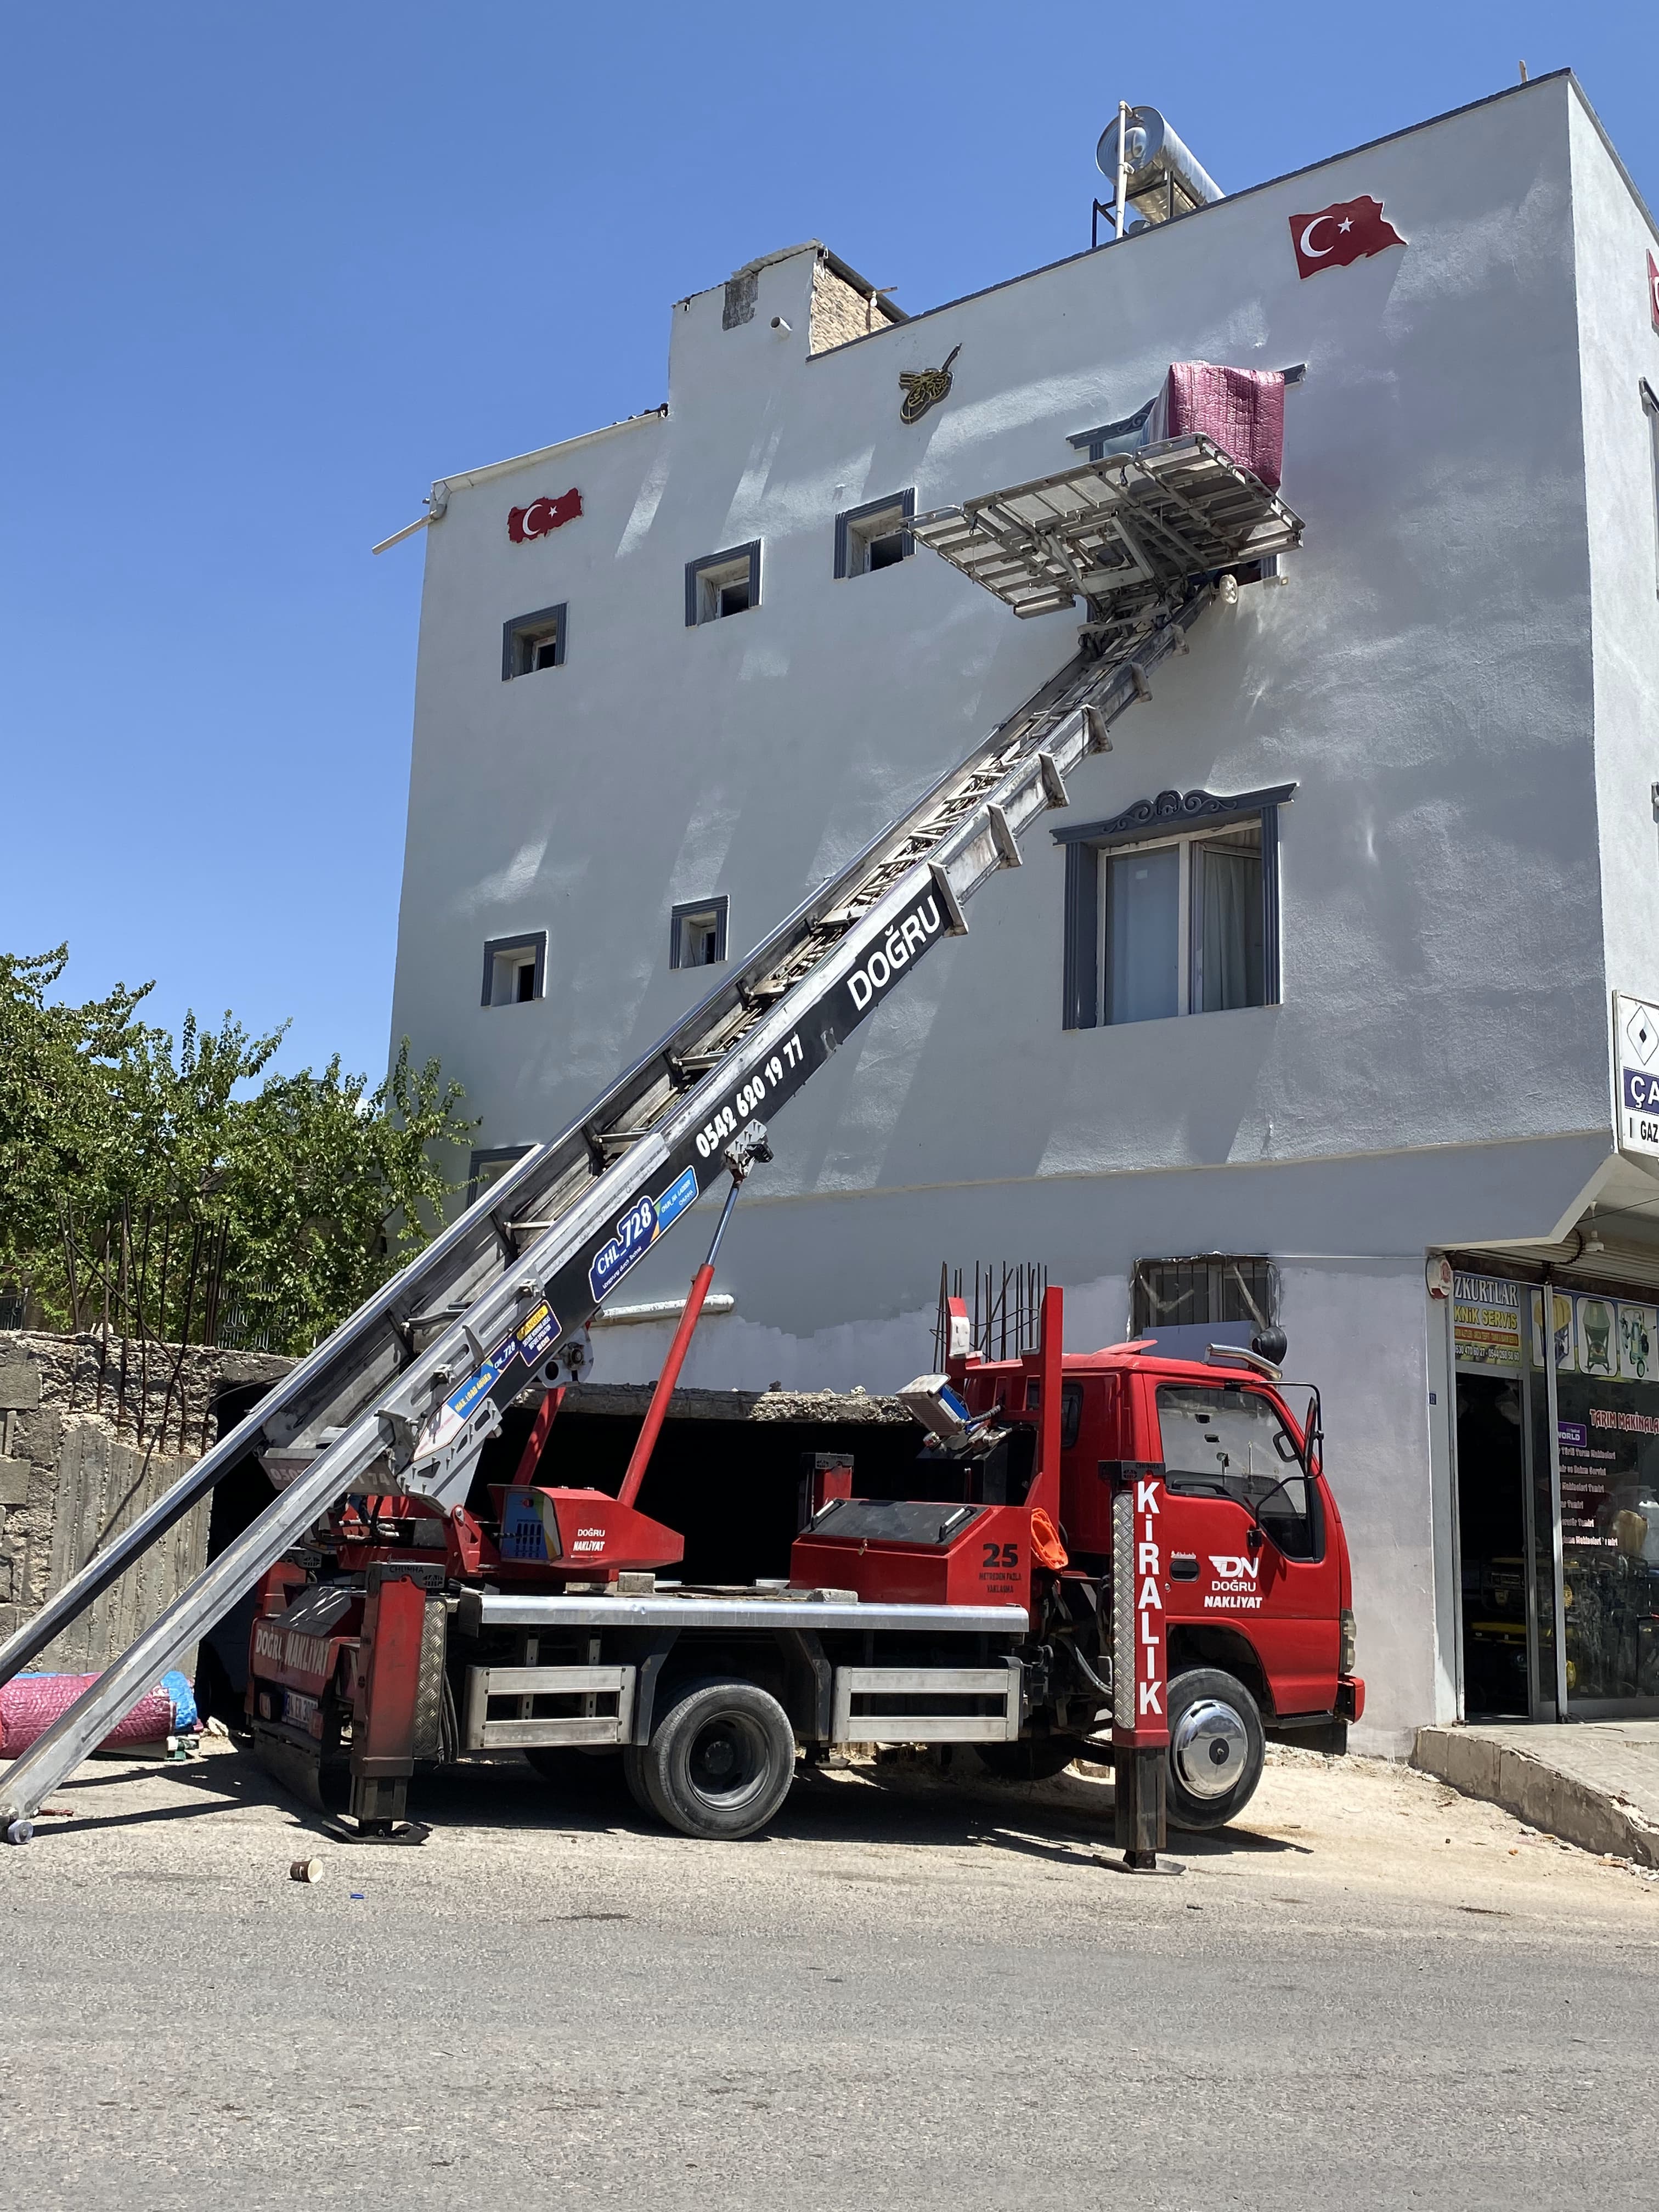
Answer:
(271, 270)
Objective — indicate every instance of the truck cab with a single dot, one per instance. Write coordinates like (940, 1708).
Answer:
(1259, 1578)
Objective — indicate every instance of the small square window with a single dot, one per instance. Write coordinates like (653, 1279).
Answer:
(489, 1164)
(697, 934)
(874, 536)
(530, 642)
(721, 583)
(514, 969)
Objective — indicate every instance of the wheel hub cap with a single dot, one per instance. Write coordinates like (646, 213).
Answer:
(1209, 1748)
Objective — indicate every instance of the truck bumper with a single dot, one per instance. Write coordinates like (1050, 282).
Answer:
(1350, 1698)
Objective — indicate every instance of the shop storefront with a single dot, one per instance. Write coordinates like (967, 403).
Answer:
(1557, 1420)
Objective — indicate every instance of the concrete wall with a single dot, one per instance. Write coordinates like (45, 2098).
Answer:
(82, 1456)
(1613, 236)
(1436, 1073)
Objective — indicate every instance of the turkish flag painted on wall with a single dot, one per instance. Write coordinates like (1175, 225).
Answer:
(1346, 231)
(543, 515)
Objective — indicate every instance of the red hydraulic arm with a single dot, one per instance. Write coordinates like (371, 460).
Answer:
(748, 1149)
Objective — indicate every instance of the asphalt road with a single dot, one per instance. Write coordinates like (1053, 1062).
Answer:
(910, 1994)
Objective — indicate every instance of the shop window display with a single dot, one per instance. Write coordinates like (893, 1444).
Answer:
(1606, 1355)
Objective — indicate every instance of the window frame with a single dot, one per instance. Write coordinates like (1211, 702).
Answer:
(1188, 990)
(1263, 1277)
(1184, 1482)
(850, 526)
(701, 570)
(1171, 818)
(720, 905)
(528, 631)
(533, 941)
(489, 1155)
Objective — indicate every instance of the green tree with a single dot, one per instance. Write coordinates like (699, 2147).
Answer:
(142, 1180)
(331, 1187)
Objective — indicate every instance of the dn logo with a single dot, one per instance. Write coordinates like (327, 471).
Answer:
(1233, 1571)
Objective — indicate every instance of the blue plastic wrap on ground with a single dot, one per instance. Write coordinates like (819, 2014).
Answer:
(185, 1715)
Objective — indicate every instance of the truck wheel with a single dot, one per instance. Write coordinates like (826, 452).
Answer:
(1038, 1759)
(1216, 1746)
(633, 1768)
(720, 1760)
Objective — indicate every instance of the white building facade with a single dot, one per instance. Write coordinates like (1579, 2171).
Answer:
(1346, 1011)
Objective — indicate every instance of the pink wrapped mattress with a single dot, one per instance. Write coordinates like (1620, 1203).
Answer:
(29, 1704)
(1241, 409)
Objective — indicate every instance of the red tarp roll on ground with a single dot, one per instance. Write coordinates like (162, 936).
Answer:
(29, 1704)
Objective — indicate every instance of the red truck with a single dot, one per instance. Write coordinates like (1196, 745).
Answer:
(1113, 1542)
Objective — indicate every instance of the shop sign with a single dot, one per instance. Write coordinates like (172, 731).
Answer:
(1486, 1322)
(1636, 1056)
(1618, 1338)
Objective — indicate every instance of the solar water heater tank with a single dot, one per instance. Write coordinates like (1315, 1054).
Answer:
(1163, 178)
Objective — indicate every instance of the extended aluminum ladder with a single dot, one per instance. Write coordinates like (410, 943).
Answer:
(404, 1395)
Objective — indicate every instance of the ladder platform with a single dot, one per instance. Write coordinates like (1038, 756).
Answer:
(1134, 524)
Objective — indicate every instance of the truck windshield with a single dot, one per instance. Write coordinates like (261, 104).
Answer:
(1230, 1440)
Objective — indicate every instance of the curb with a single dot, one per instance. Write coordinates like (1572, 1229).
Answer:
(1542, 1796)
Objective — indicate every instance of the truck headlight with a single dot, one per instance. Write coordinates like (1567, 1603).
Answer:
(1345, 1665)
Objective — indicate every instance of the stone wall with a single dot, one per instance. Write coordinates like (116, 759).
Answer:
(840, 311)
(92, 1432)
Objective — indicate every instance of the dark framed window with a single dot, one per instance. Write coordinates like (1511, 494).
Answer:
(515, 968)
(530, 642)
(697, 933)
(723, 584)
(488, 1165)
(1208, 1291)
(875, 536)
(1172, 908)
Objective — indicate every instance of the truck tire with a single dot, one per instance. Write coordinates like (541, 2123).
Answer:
(633, 1768)
(720, 1760)
(1216, 1748)
(1037, 1758)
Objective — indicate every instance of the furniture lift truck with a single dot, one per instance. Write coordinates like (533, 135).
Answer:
(998, 1606)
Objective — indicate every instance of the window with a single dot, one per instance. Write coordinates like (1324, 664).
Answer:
(1228, 1440)
(697, 934)
(1650, 404)
(514, 969)
(488, 1166)
(533, 641)
(1182, 919)
(1206, 1293)
(1071, 1409)
(723, 584)
(874, 536)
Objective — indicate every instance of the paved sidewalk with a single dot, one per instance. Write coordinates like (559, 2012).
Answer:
(1594, 1783)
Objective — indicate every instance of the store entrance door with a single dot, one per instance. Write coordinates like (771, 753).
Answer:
(1491, 1514)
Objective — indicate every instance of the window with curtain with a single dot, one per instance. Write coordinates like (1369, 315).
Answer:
(1182, 928)
(1185, 922)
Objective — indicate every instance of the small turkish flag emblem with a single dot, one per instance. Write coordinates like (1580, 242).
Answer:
(1653, 290)
(1337, 235)
(542, 515)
